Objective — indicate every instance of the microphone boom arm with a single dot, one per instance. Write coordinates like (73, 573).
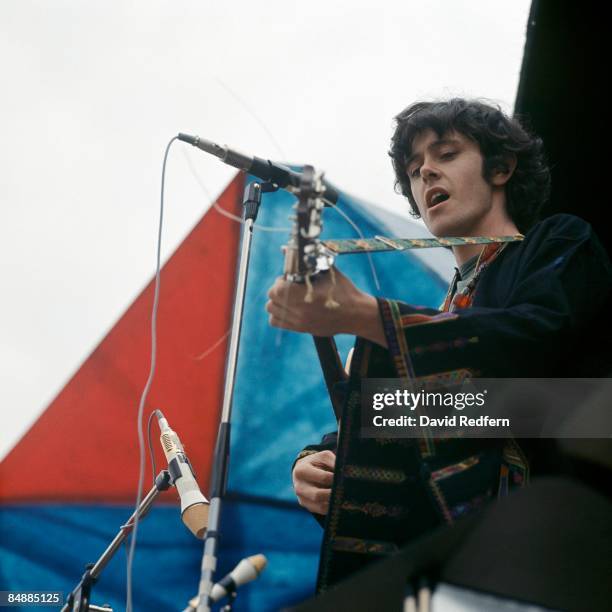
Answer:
(280, 175)
(78, 600)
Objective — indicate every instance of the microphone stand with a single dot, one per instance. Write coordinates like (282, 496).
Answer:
(252, 201)
(78, 600)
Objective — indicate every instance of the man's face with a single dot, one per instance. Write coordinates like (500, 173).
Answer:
(446, 179)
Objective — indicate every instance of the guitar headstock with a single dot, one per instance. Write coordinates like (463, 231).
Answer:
(305, 255)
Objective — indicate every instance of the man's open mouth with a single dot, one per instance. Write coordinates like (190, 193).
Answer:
(436, 197)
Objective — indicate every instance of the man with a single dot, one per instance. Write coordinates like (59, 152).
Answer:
(518, 309)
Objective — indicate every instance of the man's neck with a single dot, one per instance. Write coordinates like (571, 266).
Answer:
(499, 227)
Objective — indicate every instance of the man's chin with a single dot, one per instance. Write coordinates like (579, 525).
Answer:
(441, 224)
(447, 226)
(445, 230)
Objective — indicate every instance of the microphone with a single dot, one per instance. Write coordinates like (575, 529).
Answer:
(261, 168)
(194, 506)
(247, 570)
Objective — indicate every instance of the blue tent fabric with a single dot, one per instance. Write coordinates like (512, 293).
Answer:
(280, 405)
(288, 537)
(47, 547)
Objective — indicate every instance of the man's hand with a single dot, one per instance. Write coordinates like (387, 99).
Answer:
(313, 476)
(356, 313)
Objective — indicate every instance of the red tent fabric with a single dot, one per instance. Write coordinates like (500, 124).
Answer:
(66, 457)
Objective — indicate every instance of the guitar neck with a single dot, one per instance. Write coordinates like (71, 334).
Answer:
(333, 371)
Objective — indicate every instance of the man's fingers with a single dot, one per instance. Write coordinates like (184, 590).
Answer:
(325, 459)
(278, 309)
(321, 496)
(286, 294)
(279, 317)
(282, 322)
(273, 308)
(314, 499)
(277, 288)
(313, 477)
(316, 469)
(312, 494)
(311, 474)
(316, 476)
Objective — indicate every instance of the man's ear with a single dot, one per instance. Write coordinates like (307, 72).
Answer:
(504, 170)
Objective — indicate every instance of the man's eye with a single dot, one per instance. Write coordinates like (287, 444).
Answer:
(414, 173)
(448, 155)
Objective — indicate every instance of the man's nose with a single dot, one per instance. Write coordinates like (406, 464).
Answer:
(429, 170)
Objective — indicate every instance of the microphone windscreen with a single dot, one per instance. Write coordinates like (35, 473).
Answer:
(259, 562)
(196, 519)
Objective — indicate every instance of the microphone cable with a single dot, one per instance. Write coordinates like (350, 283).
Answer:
(145, 391)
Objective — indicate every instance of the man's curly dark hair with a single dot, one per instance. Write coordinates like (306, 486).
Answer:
(499, 138)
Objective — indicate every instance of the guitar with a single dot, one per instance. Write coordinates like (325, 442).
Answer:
(305, 258)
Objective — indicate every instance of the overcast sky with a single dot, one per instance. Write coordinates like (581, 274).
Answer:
(93, 91)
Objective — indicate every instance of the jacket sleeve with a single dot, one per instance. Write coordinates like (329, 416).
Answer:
(560, 283)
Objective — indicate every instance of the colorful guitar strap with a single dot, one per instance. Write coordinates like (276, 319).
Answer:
(381, 243)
